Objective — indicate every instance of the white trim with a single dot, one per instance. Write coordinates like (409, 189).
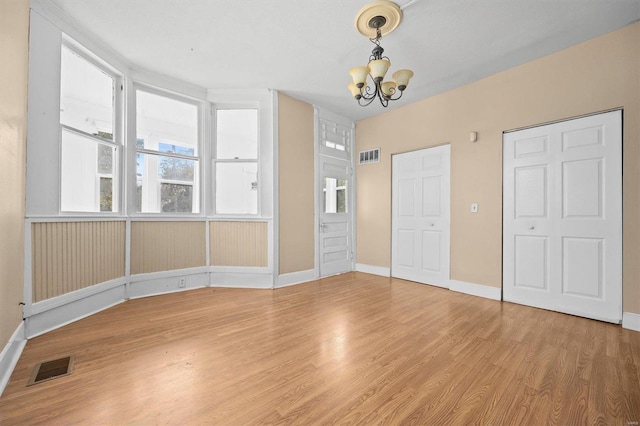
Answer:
(316, 196)
(494, 293)
(631, 321)
(155, 284)
(127, 258)
(242, 280)
(299, 277)
(165, 83)
(73, 296)
(372, 269)
(274, 238)
(75, 310)
(27, 290)
(240, 269)
(149, 276)
(11, 354)
(237, 96)
(79, 217)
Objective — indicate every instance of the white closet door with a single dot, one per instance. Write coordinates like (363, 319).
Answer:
(562, 217)
(420, 216)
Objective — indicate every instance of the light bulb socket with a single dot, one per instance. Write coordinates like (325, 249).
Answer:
(359, 85)
(378, 79)
(401, 88)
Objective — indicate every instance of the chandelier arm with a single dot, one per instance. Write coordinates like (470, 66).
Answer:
(366, 102)
(383, 99)
(393, 92)
(369, 92)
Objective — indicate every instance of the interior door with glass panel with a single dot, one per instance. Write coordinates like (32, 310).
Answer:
(335, 234)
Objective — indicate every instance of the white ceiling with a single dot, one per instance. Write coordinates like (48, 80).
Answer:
(305, 48)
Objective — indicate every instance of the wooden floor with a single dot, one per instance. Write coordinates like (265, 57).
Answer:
(351, 349)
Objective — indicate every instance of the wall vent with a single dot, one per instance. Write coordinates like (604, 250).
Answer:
(370, 156)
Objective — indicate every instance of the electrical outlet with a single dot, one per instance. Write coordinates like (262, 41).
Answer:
(182, 283)
(474, 208)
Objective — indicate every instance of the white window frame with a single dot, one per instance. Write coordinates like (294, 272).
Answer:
(215, 161)
(117, 133)
(198, 178)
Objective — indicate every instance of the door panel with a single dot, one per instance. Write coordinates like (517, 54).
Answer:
(531, 260)
(562, 217)
(531, 191)
(420, 216)
(582, 267)
(431, 248)
(335, 216)
(582, 188)
(431, 196)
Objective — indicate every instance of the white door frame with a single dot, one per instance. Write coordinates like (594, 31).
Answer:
(348, 155)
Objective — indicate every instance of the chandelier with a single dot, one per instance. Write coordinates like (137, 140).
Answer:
(373, 20)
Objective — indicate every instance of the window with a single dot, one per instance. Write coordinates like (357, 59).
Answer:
(167, 161)
(236, 161)
(335, 195)
(89, 151)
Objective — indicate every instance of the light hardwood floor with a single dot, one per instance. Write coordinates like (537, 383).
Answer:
(351, 349)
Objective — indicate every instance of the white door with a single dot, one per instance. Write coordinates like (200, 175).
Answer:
(335, 197)
(562, 217)
(420, 216)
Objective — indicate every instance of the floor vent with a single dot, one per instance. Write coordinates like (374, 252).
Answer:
(49, 370)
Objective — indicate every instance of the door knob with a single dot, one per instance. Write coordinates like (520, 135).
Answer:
(532, 227)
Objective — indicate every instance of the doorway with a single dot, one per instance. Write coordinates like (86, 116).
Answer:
(335, 199)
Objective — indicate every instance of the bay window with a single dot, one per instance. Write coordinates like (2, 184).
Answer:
(90, 149)
(236, 162)
(167, 154)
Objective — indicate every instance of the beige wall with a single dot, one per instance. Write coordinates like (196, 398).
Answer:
(69, 256)
(295, 187)
(239, 244)
(164, 246)
(597, 75)
(14, 32)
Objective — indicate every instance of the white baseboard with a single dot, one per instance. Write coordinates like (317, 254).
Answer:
(293, 278)
(56, 317)
(65, 299)
(153, 285)
(11, 354)
(631, 321)
(473, 289)
(372, 269)
(241, 280)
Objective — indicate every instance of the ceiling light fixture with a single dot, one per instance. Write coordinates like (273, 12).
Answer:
(374, 20)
